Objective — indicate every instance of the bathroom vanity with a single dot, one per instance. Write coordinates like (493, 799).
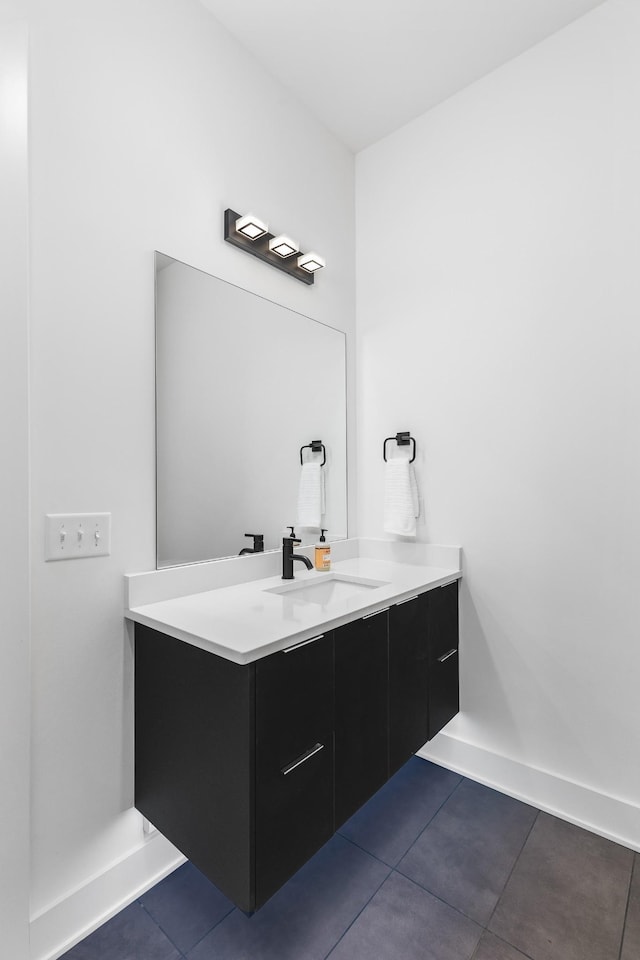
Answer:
(259, 732)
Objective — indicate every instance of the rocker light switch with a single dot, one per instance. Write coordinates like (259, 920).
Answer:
(70, 536)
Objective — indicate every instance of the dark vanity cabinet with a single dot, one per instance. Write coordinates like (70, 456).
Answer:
(249, 769)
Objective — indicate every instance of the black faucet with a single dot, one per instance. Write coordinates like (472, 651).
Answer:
(258, 544)
(288, 556)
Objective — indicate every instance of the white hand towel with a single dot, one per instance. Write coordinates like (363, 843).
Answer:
(401, 505)
(311, 495)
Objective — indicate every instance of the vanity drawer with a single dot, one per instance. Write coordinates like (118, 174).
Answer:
(294, 701)
(294, 814)
(294, 761)
(444, 697)
(443, 620)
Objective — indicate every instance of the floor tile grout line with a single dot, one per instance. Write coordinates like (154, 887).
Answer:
(353, 843)
(527, 956)
(162, 930)
(437, 896)
(363, 908)
(429, 821)
(394, 869)
(389, 866)
(515, 864)
(457, 909)
(626, 909)
(211, 929)
(170, 938)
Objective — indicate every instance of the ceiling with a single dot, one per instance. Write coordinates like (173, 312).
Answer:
(366, 67)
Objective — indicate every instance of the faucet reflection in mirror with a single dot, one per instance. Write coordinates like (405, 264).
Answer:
(228, 426)
(258, 544)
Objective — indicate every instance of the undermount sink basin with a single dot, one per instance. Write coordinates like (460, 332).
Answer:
(334, 586)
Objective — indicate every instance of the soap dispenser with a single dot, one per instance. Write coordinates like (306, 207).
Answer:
(323, 553)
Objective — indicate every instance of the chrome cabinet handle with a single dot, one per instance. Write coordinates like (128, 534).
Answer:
(408, 600)
(303, 643)
(448, 583)
(375, 613)
(445, 656)
(305, 756)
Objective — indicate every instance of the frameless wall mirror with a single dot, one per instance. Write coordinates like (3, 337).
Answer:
(241, 385)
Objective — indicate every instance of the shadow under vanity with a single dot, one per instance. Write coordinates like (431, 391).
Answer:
(250, 768)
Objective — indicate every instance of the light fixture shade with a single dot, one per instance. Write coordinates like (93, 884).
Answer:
(311, 262)
(252, 235)
(283, 246)
(251, 227)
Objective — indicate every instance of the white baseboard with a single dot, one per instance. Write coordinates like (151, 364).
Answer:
(607, 816)
(62, 925)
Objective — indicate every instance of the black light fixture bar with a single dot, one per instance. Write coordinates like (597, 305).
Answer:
(260, 248)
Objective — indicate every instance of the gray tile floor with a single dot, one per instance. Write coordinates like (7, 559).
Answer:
(434, 867)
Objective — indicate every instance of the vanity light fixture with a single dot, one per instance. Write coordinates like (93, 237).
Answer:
(311, 262)
(283, 246)
(251, 235)
(249, 226)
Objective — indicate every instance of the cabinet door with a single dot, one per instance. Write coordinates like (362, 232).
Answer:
(361, 717)
(194, 756)
(444, 700)
(294, 760)
(408, 679)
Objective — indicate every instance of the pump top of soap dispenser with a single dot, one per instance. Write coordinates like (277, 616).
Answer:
(323, 553)
(293, 533)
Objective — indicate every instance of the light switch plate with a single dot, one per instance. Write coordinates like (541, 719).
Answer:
(70, 536)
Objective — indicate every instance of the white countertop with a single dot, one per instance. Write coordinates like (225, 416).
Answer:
(243, 622)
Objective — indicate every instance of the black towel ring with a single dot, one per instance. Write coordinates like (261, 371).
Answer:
(402, 439)
(316, 446)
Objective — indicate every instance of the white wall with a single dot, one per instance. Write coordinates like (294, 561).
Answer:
(147, 122)
(498, 319)
(14, 494)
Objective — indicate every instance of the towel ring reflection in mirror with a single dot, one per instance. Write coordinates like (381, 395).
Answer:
(316, 446)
